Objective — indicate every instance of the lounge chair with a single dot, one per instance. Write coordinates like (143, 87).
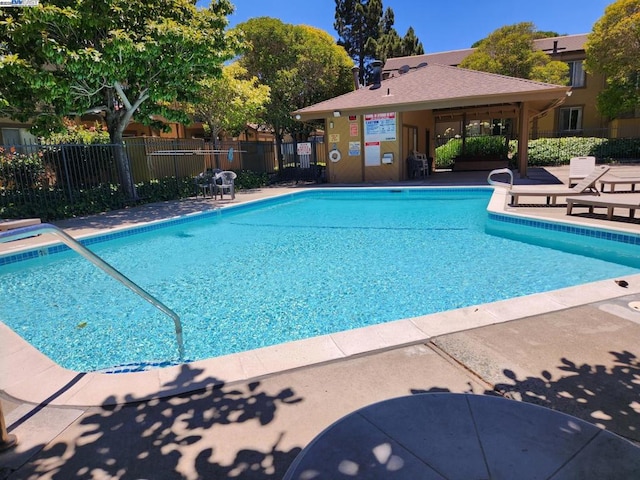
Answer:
(23, 222)
(612, 181)
(610, 201)
(579, 168)
(587, 186)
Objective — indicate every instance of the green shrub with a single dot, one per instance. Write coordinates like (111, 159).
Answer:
(78, 134)
(489, 146)
(248, 180)
(21, 170)
(559, 151)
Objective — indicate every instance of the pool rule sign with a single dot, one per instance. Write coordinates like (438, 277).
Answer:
(378, 127)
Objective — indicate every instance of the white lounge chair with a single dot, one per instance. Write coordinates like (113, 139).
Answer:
(610, 201)
(587, 186)
(19, 223)
(579, 168)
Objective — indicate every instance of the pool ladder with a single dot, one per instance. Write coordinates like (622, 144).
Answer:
(20, 233)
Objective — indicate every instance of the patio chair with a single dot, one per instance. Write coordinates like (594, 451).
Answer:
(579, 168)
(204, 182)
(225, 181)
(587, 186)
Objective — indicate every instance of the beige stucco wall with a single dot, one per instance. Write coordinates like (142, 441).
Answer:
(349, 169)
(343, 130)
(340, 131)
(585, 97)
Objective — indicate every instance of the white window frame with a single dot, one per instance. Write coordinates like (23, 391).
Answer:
(576, 74)
(573, 117)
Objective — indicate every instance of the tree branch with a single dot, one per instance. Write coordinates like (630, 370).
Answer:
(123, 96)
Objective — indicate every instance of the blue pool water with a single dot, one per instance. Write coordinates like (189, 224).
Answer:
(300, 266)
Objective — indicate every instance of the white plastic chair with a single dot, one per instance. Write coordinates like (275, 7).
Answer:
(225, 181)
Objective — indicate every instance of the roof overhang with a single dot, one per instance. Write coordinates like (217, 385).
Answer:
(438, 87)
(537, 102)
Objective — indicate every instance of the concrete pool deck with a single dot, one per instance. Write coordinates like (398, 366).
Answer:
(248, 415)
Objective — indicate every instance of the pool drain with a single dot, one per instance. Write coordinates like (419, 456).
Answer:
(635, 306)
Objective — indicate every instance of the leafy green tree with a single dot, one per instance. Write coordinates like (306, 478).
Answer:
(302, 65)
(228, 103)
(509, 51)
(68, 57)
(613, 49)
(538, 34)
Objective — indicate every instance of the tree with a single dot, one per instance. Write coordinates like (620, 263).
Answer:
(229, 102)
(509, 51)
(357, 23)
(613, 49)
(367, 34)
(67, 57)
(301, 65)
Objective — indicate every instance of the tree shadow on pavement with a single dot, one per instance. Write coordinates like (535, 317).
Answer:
(608, 398)
(214, 431)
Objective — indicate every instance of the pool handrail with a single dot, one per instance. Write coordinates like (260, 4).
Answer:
(498, 171)
(31, 231)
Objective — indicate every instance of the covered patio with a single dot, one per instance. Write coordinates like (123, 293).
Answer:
(372, 130)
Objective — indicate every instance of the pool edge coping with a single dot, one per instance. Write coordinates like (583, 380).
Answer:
(30, 376)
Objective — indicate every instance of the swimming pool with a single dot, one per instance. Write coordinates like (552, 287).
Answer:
(302, 265)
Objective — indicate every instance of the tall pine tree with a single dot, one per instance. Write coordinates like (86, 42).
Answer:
(368, 34)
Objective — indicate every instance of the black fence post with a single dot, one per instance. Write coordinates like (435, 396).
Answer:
(66, 173)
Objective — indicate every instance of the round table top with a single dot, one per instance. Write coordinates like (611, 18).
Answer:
(464, 436)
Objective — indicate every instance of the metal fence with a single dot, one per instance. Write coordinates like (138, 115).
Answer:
(57, 181)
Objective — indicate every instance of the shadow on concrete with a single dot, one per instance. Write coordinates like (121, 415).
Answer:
(186, 436)
(605, 397)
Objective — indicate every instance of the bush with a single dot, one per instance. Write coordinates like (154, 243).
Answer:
(559, 151)
(78, 134)
(485, 146)
(21, 170)
(248, 180)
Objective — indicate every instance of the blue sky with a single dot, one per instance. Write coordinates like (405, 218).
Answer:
(440, 25)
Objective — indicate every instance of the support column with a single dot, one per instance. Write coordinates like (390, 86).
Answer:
(523, 139)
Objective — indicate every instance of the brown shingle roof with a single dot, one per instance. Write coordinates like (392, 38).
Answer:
(566, 44)
(437, 86)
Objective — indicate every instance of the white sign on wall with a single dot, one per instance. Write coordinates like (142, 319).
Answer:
(354, 149)
(380, 127)
(304, 148)
(371, 154)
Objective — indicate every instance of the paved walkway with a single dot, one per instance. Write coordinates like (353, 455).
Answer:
(575, 350)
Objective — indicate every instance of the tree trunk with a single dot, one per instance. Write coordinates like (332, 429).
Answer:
(123, 164)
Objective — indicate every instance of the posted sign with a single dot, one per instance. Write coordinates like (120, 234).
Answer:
(304, 148)
(380, 127)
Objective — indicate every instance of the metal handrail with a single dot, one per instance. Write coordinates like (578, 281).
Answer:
(20, 233)
(497, 172)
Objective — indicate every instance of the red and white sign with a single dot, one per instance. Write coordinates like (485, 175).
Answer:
(304, 148)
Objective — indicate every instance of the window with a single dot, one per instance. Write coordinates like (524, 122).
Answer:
(576, 74)
(570, 119)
